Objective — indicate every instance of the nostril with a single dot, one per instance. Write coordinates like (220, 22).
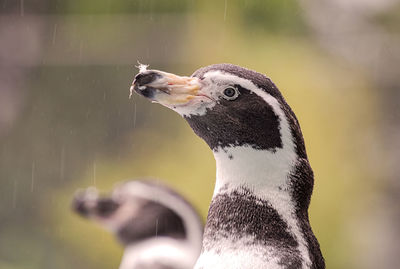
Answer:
(146, 78)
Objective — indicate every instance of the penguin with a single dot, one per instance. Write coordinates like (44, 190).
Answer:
(258, 216)
(158, 228)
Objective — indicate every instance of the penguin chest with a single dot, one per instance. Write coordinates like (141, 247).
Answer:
(240, 256)
(243, 232)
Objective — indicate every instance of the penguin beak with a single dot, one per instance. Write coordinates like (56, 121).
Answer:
(165, 88)
(87, 203)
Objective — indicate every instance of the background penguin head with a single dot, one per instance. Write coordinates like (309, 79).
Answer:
(130, 217)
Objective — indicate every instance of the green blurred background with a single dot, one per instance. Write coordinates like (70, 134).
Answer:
(66, 121)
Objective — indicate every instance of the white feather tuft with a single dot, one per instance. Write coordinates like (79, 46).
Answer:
(142, 67)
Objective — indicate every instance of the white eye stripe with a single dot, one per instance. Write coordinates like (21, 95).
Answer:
(230, 93)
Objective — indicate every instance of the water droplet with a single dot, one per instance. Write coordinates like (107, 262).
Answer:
(22, 9)
(32, 175)
(54, 33)
(226, 7)
(134, 114)
(14, 197)
(62, 160)
(94, 173)
(80, 50)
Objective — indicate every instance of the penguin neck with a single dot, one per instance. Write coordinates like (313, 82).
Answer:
(260, 171)
(258, 186)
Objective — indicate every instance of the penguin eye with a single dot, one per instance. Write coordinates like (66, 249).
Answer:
(231, 93)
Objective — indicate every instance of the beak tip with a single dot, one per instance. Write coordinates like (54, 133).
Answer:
(79, 206)
(146, 77)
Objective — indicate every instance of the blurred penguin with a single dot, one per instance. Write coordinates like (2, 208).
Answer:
(157, 226)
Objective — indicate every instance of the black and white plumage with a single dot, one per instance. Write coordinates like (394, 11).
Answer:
(258, 217)
(158, 228)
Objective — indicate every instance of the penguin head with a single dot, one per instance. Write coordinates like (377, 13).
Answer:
(227, 106)
(132, 216)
